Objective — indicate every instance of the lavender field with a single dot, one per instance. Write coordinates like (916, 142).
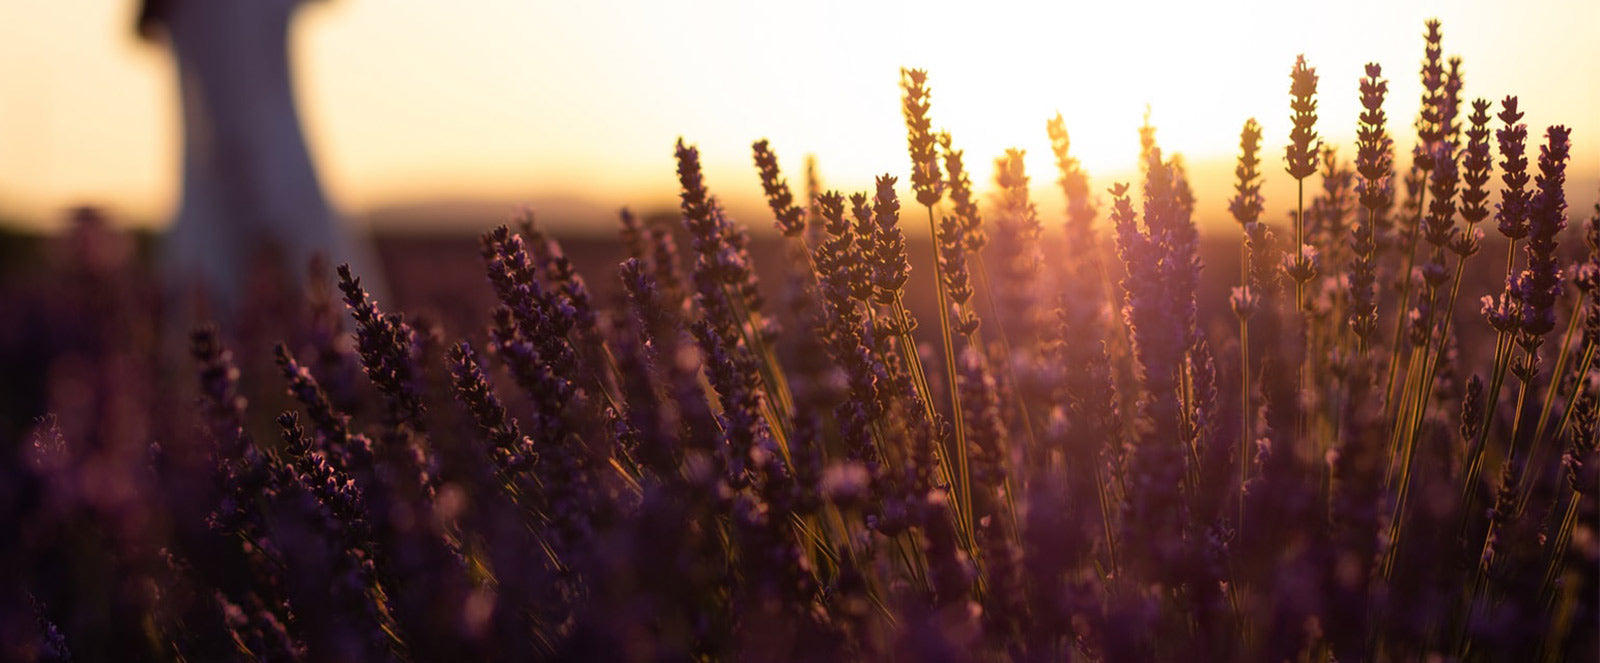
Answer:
(1361, 430)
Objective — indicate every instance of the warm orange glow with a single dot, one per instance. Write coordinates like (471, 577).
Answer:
(510, 100)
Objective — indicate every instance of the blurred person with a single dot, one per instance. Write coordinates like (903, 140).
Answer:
(251, 197)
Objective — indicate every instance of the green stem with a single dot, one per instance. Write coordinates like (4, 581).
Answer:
(1302, 376)
(1405, 300)
(1572, 403)
(1556, 373)
(1502, 360)
(964, 484)
(1430, 367)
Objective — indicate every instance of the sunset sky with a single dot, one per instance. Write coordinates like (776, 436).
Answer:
(578, 103)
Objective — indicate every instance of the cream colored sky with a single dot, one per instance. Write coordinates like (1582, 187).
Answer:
(417, 100)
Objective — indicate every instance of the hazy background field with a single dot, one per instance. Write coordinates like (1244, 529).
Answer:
(424, 116)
